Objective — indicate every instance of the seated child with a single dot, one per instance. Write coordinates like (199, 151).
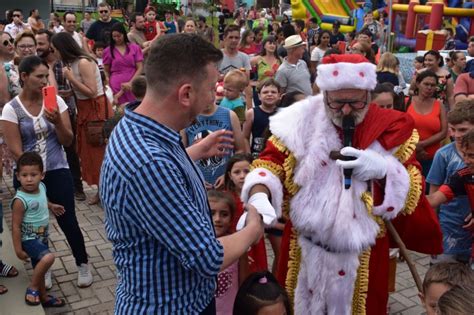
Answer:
(459, 300)
(439, 279)
(235, 82)
(228, 281)
(30, 220)
(261, 294)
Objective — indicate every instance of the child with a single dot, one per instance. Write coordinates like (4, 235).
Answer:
(98, 50)
(439, 279)
(214, 118)
(229, 280)
(257, 118)
(30, 219)
(237, 169)
(447, 161)
(418, 64)
(459, 300)
(152, 27)
(235, 82)
(261, 294)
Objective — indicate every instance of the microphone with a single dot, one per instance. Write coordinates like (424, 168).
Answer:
(348, 127)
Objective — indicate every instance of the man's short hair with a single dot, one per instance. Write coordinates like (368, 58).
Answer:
(462, 111)
(103, 4)
(231, 28)
(66, 13)
(133, 17)
(139, 86)
(268, 82)
(175, 58)
(236, 78)
(450, 274)
(17, 10)
(48, 33)
(300, 24)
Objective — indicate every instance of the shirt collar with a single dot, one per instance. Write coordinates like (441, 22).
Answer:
(152, 127)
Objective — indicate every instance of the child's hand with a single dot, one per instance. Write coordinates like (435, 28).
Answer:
(219, 182)
(469, 223)
(21, 254)
(56, 209)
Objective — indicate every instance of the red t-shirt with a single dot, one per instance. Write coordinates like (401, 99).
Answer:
(150, 30)
(464, 85)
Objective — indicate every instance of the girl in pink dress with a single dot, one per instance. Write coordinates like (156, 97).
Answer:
(123, 61)
(229, 280)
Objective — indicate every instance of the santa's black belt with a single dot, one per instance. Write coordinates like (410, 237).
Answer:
(323, 246)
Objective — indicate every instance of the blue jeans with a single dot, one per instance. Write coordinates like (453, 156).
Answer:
(36, 249)
(60, 190)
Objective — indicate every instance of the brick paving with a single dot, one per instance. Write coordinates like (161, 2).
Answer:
(99, 298)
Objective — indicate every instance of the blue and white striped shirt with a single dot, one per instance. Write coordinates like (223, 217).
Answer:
(159, 222)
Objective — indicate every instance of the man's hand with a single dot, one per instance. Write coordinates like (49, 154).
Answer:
(469, 223)
(217, 143)
(367, 165)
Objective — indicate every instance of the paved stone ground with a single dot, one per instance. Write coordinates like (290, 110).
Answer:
(99, 298)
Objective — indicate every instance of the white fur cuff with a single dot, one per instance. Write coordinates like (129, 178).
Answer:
(272, 182)
(397, 186)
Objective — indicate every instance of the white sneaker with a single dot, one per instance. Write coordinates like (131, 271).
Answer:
(84, 276)
(47, 280)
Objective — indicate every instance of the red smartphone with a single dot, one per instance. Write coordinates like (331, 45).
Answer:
(49, 98)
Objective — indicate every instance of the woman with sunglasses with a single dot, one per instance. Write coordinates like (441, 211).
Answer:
(28, 126)
(429, 116)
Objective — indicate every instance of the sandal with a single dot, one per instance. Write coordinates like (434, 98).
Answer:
(54, 302)
(3, 289)
(35, 294)
(7, 271)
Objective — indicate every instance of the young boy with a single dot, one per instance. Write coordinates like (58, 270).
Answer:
(235, 82)
(152, 26)
(257, 118)
(212, 119)
(439, 279)
(30, 219)
(447, 161)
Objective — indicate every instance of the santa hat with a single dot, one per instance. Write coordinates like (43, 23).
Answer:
(348, 71)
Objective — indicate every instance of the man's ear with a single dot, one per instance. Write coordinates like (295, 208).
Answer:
(185, 92)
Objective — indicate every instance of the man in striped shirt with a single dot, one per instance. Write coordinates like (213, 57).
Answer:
(157, 213)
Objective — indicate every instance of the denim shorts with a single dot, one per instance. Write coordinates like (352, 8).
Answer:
(36, 249)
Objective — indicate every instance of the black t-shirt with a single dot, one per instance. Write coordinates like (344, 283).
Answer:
(339, 37)
(100, 31)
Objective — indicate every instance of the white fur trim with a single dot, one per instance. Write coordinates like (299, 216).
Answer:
(345, 75)
(397, 186)
(272, 182)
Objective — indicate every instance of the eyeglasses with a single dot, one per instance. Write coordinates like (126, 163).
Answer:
(8, 41)
(23, 47)
(341, 104)
(103, 11)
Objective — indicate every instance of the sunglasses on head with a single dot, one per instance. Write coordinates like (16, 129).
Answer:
(8, 41)
(103, 11)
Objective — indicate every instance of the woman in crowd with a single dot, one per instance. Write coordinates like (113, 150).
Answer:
(387, 69)
(458, 59)
(430, 118)
(364, 49)
(247, 43)
(28, 126)
(83, 74)
(123, 61)
(322, 45)
(432, 60)
(25, 45)
(190, 26)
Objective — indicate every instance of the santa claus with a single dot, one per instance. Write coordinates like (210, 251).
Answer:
(335, 245)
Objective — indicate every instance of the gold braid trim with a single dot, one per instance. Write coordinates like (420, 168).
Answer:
(278, 144)
(415, 190)
(361, 285)
(369, 204)
(269, 165)
(288, 167)
(408, 147)
(294, 262)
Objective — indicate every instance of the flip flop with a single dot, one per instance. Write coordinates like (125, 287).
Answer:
(7, 271)
(35, 294)
(54, 302)
(3, 289)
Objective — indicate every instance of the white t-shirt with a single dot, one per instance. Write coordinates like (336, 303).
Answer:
(317, 54)
(38, 134)
(58, 29)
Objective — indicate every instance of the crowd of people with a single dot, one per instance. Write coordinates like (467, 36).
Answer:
(201, 146)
